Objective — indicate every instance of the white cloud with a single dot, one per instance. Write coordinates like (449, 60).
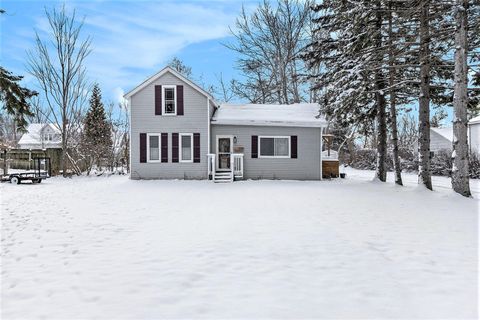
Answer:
(118, 94)
(131, 41)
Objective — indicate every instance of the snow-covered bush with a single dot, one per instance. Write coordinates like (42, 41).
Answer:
(441, 163)
(474, 166)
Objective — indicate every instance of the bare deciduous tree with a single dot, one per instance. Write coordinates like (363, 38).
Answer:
(269, 43)
(58, 65)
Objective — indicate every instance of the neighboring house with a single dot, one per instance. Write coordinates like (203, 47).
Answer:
(441, 139)
(474, 134)
(179, 132)
(41, 136)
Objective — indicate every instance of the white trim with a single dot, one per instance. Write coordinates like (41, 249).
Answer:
(180, 153)
(129, 102)
(208, 126)
(271, 123)
(222, 136)
(151, 79)
(159, 135)
(275, 157)
(169, 86)
(321, 153)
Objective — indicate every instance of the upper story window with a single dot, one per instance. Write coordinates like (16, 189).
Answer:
(48, 137)
(274, 147)
(169, 100)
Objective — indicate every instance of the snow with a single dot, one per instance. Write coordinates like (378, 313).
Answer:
(333, 155)
(446, 132)
(295, 115)
(116, 248)
(474, 120)
(33, 137)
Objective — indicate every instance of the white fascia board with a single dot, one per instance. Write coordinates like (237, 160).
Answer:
(303, 124)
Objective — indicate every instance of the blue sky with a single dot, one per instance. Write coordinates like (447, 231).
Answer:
(131, 40)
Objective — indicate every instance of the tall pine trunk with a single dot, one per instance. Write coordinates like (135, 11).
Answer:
(424, 174)
(393, 106)
(460, 182)
(381, 167)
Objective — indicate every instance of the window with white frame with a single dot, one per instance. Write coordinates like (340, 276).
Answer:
(153, 147)
(169, 101)
(47, 137)
(274, 147)
(186, 147)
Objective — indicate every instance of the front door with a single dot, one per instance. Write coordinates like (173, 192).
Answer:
(224, 151)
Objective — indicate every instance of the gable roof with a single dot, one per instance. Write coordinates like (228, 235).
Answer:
(151, 79)
(474, 120)
(292, 115)
(34, 134)
(446, 132)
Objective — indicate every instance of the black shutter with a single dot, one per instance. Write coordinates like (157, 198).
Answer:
(254, 146)
(143, 147)
(158, 100)
(196, 147)
(174, 147)
(293, 145)
(179, 100)
(164, 147)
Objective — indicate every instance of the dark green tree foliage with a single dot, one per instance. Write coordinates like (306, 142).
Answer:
(15, 98)
(97, 135)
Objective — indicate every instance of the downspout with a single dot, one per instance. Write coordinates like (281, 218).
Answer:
(321, 155)
(208, 125)
(130, 137)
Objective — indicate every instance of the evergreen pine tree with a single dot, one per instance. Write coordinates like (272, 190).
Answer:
(97, 135)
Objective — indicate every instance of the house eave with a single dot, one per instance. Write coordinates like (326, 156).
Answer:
(272, 123)
(157, 75)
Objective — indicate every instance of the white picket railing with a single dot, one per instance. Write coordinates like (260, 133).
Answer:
(237, 164)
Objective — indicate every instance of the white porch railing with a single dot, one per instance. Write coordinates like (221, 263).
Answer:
(236, 162)
(211, 165)
(236, 166)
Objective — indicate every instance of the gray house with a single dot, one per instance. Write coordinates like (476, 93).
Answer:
(178, 131)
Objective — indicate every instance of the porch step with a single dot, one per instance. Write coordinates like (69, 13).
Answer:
(222, 177)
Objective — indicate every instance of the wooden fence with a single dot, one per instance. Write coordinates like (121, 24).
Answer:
(22, 159)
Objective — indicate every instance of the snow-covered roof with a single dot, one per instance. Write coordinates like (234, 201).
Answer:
(446, 132)
(333, 155)
(474, 120)
(33, 137)
(292, 115)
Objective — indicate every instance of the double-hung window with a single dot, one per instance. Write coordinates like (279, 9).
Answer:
(153, 147)
(274, 147)
(169, 100)
(186, 147)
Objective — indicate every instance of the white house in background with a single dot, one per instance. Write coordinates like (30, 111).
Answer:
(474, 134)
(441, 139)
(41, 136)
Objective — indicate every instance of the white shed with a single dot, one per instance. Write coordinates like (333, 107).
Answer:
(474, 134)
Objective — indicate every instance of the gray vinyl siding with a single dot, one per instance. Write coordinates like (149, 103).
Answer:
(439, 142)
(144, 120)
(305, 167)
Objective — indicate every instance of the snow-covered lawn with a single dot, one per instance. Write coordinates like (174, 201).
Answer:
(114, 248)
